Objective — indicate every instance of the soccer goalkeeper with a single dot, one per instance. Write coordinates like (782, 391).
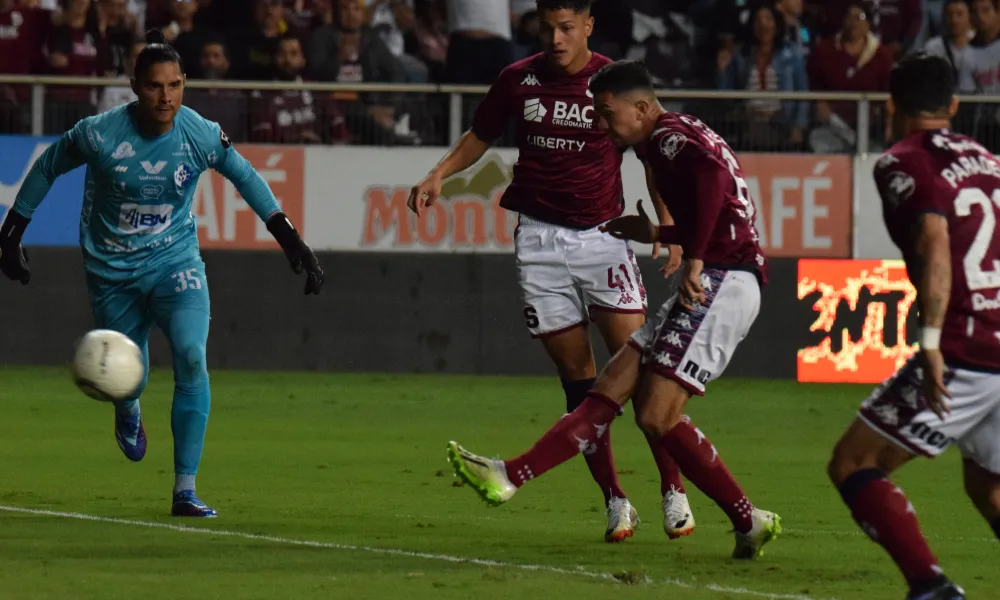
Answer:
(140, 241)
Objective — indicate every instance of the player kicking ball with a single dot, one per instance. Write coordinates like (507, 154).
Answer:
(567, 182)
(940, 196)
(690, 342)
(140, 241)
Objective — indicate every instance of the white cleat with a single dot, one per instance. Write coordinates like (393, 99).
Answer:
(488, 477)
(622, 520)
(766, 527)
(678, 521)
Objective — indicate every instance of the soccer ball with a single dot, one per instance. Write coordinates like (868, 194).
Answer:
(108, 366)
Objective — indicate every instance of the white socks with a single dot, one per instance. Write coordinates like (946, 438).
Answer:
(183, 481)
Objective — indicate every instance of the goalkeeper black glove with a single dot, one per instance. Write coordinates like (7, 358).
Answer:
(13, 260)
(299, 254)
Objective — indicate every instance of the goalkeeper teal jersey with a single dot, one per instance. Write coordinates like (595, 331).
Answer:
(138, 191)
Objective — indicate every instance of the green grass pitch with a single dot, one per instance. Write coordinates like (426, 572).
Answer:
(357, 463)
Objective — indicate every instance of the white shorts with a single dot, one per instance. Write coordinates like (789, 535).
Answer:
(567, 274)
(897, 410)
(693, 347)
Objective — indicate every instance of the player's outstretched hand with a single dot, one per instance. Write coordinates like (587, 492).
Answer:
(692, 293)
(13, 259)
(300, 255)
(424, 194)
(637, 228)
(935, 390)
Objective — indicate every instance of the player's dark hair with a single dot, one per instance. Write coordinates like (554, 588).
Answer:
(922, 83)
(157, 51)
(577, 6)
(621, 77)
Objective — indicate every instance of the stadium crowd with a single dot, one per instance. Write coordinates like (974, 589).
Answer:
(769, 45)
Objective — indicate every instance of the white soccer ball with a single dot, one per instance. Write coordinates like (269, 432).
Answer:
(108, 366)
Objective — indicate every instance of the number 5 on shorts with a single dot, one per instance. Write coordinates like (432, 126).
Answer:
(187, 280)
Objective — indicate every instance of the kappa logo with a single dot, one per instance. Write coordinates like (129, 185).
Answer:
(123, 151)
(534, 112)
(530, 80)
(671, 145)
(153, 169)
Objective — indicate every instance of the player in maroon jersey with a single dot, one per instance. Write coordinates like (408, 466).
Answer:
(690, 342)
(567, 182)
(940, 197)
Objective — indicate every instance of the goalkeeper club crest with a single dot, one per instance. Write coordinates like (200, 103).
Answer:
(183, 175)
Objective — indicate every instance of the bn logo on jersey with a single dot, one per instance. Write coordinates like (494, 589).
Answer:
(183, 175)
(144, 220)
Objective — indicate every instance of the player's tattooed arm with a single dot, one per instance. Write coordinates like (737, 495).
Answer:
(932, 261)
(932, 267)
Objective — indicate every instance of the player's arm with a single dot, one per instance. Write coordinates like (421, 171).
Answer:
(663, 216)
(711, 182)
(932, 268)
(489, 123)
(59, 158)
(259, 196)
(912, 210)
(466, 152)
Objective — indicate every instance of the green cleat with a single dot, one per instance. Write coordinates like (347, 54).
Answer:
(487, 476)
(766, 527)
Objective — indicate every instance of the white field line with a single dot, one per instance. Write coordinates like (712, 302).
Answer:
(579, 572)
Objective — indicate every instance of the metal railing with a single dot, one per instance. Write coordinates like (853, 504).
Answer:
(443, 112)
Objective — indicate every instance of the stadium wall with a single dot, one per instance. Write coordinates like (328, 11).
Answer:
(379, 312)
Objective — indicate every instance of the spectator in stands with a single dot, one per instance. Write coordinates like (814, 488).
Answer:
(897, 23)
(294, 116)
(75, 47)
(767, 64)
(226, 107)
(852, 61)
(254, 49)
(22, 31)
(796, 31)
(120, 31)
(187, 35)
(955, 45)
(983, 75)
(113, 96)
(480, 45)
(428, 38)
(353, 53)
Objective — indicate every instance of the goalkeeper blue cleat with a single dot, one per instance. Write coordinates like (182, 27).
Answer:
(186, 504)
(130, 434)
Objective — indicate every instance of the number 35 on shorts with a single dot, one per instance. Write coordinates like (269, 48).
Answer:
(187, 280)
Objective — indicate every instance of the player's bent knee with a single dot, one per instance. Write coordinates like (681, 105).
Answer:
(660, 405)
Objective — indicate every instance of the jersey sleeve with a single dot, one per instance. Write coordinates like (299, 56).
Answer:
(907, 188)
(708, 182)
(248, 182)
(494, 112)
(74, 148)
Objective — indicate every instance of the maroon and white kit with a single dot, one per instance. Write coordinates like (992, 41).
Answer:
(567, 182)
(701, 181)
(954, 176)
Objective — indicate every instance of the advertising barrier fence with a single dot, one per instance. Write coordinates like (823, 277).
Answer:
(853, 313)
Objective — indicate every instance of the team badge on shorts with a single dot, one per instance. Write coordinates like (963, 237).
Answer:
(183, 175)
